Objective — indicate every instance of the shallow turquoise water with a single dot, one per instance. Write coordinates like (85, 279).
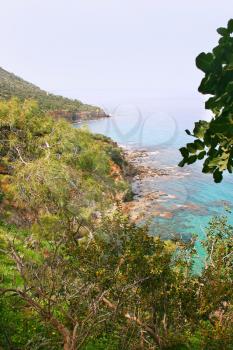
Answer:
(197, 197)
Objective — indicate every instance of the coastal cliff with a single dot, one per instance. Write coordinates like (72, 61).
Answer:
(74, 117)
(58, 107)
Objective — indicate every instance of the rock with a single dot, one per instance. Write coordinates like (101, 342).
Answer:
(145, 203)
(167, 215)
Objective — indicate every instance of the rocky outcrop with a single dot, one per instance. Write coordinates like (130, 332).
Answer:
(146, 199)
(75, 117)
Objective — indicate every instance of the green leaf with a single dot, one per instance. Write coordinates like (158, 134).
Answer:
(222, 31)
(208, 84)
(184, 152)
(201, 155)
(229, 168)
(191, 147)
(217, 176)
(199, 145)
(200, 128)
(182, 163)
(230, 26)
(204, 62)
(212, 103)
(192, 159)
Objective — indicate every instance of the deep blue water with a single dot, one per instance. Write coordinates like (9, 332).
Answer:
(161, 131)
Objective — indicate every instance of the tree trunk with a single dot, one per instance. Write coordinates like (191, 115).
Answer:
(69, 338)
(70, 343)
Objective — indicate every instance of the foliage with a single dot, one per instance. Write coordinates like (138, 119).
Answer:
(125, 283)
(13, 86)
(50, 167)
(214, 139)
(75, 273)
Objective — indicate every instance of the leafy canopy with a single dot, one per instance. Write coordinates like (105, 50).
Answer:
(214, 139)
(75, 273)
(49, 167)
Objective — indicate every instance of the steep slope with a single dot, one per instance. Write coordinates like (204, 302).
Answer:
(59, 106)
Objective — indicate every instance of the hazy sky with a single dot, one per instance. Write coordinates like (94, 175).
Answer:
(89, 49)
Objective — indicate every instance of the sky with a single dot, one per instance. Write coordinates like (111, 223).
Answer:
(104, 50)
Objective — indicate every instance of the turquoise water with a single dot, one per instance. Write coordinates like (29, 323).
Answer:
(193, 197)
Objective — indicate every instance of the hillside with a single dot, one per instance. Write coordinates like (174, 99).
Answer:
(59, 106)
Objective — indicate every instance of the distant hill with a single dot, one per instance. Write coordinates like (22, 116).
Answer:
(59, 106)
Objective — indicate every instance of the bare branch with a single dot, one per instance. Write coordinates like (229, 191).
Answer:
(19, 154)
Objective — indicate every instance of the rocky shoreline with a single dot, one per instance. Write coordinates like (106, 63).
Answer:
(77, 117)
(146, 195)
(144, 199)
(138, 159)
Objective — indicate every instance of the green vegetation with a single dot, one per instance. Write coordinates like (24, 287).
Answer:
(214, 139)
(13, 86)
(75, 272)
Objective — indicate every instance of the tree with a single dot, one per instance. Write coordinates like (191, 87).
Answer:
(215, 294)
(119, 278)
(77, 270)
(51, 167)
(214, 139)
